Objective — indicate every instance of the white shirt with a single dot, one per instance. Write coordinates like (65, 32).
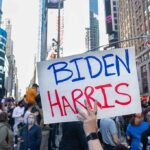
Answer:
(17, 114)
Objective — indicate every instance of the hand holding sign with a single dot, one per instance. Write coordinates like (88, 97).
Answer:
(89, 120)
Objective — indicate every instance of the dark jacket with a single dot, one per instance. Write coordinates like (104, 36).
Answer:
(144, 139)
(73, 137)
(31, 138)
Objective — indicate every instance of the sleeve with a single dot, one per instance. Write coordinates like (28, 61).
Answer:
(3, 143)
(113, 128)
(128, 132)
(15, 113)
(143, 142)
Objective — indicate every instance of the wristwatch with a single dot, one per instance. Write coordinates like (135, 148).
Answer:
(92, 136)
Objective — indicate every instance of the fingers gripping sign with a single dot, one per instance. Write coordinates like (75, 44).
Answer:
(89, 118)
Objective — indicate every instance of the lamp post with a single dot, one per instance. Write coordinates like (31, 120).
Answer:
(58, 36)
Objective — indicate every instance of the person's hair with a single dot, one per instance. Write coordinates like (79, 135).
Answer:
(132, 121)
(120, 147)
(3, 117)
(35, 85)
(1, 106)
(21, 102)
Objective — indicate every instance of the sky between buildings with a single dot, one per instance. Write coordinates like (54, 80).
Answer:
(24, 16)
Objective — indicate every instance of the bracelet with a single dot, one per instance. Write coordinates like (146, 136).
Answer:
(92, 136)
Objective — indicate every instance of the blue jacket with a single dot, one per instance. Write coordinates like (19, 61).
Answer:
(32, 138)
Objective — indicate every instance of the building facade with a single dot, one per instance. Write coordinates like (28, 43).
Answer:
(3, 39)
(112, 21)
(94, 25)
(42, 41)
(134, 21)
(12, 75)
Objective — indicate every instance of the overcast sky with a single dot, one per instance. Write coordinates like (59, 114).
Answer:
(24, 15)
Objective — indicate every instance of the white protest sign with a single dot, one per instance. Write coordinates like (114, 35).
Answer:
(109, 77)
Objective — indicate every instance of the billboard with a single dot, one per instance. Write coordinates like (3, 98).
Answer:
(54, 4)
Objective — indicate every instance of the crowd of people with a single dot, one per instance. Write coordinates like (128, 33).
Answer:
(22, 127)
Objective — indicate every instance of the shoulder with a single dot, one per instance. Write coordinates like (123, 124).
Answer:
(4, 127)
(145, 124)
(129, 126)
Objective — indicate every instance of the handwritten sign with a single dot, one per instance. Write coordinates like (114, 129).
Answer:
(109, 77)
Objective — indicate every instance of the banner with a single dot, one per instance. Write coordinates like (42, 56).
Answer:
(108, 77)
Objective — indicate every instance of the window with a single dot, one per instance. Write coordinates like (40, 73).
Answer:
(144, 79)
(137, 21)
(114, 3)
(115, 15)
(114, 8)
(140, 18)
(115, 21)
(116, 27)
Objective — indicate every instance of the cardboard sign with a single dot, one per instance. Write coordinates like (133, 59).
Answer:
(108, 77)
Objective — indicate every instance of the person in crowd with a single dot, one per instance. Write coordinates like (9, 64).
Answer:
(31, 95)
(6, 135)
(53, 130)
(135, 129)
(38, 102)
(109, 133)
(145, 140)
(73, 137)
(120, 124)
(18, 117)
(30, 137)
(1, 107)
(25, 101)
(90, 128)
(45, 136)
(30, 109)
(120, 147)
(10, 112)
(38, 97)
(145, 112)
(144, 104)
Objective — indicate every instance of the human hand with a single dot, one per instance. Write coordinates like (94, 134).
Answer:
(89, 119)
(20, 140)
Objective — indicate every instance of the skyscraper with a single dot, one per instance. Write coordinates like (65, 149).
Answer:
(3, 36)
(111, 12)
(1, 11)
(12, 75)
(134, 21)
(94, 25)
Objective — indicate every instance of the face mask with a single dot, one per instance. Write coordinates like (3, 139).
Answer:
(30, 121)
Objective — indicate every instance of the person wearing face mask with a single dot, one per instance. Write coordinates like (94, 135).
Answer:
(18, 117)
(30, 137)
(135, 129)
